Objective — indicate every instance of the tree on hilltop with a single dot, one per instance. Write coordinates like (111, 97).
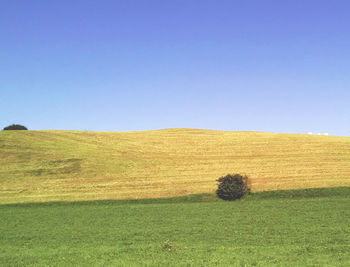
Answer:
(15, 127)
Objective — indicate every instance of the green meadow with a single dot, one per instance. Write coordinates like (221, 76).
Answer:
(278, 228)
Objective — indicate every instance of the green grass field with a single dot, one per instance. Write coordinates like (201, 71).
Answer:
(40, 166)
(282, 228)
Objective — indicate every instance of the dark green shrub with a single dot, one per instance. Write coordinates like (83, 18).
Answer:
(15, 127)
(232, 187)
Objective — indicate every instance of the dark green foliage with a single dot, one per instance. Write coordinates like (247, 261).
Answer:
(15, 127)
(232, 187)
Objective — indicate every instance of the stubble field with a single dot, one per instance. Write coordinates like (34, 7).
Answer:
(40, 166)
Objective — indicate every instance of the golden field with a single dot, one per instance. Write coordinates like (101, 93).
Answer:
(39, 166)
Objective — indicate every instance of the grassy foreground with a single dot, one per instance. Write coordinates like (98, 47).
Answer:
(39, 166)
(286, 228)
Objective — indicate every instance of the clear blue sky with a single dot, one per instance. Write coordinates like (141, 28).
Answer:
(276, 66)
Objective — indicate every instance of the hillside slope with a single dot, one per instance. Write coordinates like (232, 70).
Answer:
(76, 165)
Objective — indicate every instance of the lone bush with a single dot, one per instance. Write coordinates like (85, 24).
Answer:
(232, 187)
(15, 127)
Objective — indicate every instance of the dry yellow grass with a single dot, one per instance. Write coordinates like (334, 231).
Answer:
(40, 166)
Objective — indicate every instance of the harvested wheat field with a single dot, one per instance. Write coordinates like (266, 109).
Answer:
(40, 166)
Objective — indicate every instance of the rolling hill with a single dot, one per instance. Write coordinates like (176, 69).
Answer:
(40, 166)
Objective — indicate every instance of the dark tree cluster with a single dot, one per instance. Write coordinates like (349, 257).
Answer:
(15, 127)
